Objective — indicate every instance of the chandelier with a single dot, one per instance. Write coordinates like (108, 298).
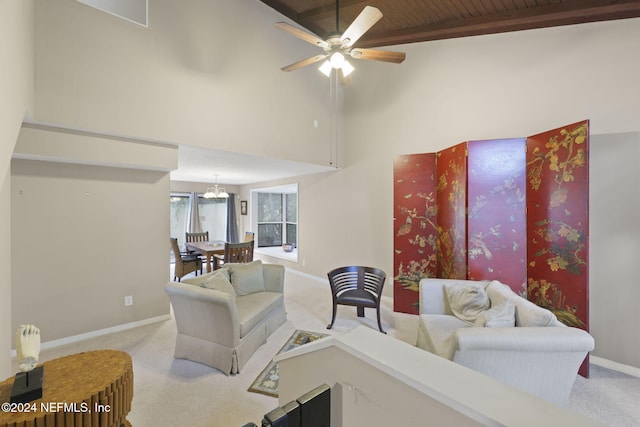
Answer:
(215, 192)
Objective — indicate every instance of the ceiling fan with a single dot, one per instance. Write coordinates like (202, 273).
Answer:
(338, 46)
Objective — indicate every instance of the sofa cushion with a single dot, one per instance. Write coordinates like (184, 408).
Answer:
(246, 278)
(219, 282)
(253, 308)
(466, 302)
(527, 313)
(498, 316)
(438, 330)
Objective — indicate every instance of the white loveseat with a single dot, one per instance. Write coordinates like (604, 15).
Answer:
(224, 316)
(531, 351)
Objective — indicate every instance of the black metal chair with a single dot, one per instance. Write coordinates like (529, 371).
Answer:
(357, 286)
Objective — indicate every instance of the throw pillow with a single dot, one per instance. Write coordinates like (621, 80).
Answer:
(499, 292)
(199, 280)
(219, 281)
(246, 278)
(529, 314)
(466, 302)
(498, 316)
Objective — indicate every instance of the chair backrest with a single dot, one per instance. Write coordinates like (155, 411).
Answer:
(249, 236)
(175, 248)
(369, 279)
(238, 252)
(176, 252)
(183, 266)
(196, 237)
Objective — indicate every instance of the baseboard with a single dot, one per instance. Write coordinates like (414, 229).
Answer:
(307, 275)
(609, 364)
(99, 332)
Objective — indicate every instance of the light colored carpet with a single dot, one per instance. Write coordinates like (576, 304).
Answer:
(172, 392)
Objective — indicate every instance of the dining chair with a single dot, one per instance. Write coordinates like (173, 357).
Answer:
(357, 286)
(185, 262)
(196, 237)
(234, 252)
(249, 236)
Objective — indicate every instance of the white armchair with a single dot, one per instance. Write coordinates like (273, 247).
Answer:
(541, 360)
(224, 316)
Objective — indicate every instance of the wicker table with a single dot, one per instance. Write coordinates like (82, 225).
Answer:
(89, 389)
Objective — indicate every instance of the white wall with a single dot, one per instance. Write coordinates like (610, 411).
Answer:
(205, 73)
(5, 277)
(614, 246)
(87, 234)
(16, 87)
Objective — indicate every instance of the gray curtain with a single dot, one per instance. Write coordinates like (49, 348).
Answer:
(232, 223)
(193, 220)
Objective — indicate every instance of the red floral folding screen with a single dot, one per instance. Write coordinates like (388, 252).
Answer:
(558, 223)
(499, 214)
(414, 227)
(452, 205)
(496, 223)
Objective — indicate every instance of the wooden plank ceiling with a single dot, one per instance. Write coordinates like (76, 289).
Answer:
(409, 21)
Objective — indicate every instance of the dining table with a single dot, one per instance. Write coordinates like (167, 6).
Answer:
(207, 249)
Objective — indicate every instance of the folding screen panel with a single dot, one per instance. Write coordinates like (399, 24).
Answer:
(558, 224)
(496, 224)
(452, 206)
(414, 226)
(557, 220)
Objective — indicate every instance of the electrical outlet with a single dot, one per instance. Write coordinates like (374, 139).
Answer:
(128, 300)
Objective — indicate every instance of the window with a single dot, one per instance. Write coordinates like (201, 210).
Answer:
(275, 219)
(179, 209)
(291, 217)
(270, 219)
(213, 217)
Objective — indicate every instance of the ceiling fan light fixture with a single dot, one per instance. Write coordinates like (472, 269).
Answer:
(347, 68)
(337, 60)
(326, 68)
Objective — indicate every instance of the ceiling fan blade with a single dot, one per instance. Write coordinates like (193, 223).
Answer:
(304, 62)
(378, 55)
(367, 18)
(308, 37)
